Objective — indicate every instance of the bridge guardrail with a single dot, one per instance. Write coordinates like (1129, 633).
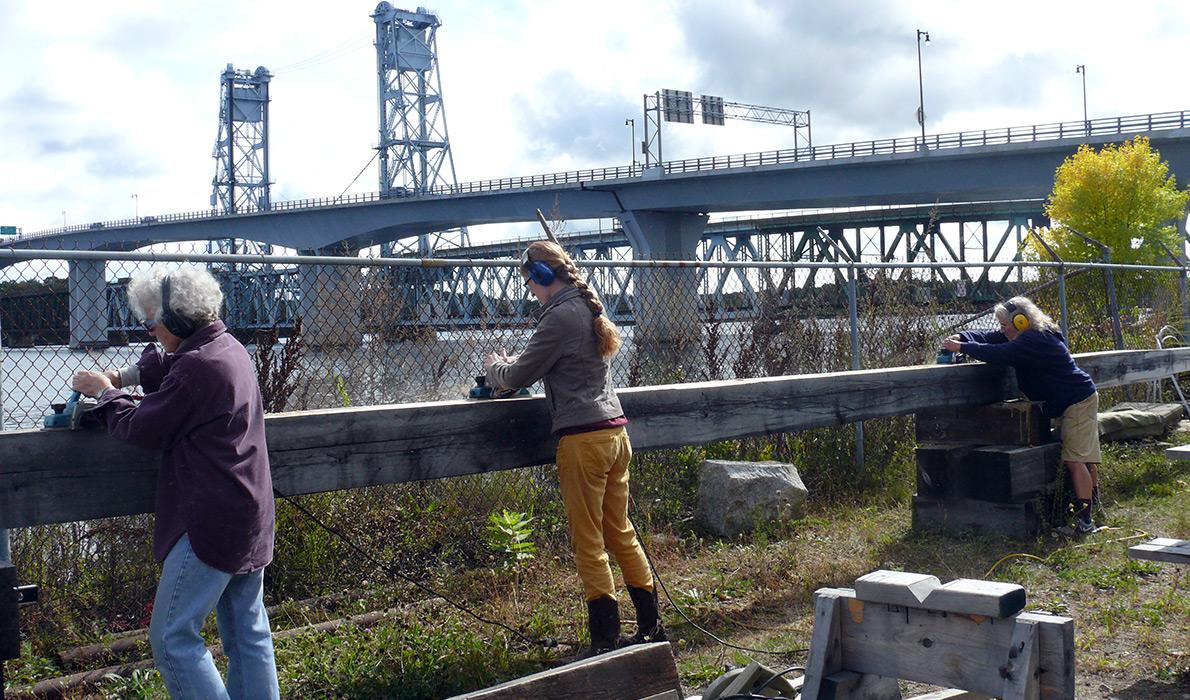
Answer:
(1106, 126)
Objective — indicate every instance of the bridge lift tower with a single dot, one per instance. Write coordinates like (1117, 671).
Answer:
(414, 149)
(241, 153)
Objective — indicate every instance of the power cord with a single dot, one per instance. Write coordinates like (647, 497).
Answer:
(695, 625)
(547, 643)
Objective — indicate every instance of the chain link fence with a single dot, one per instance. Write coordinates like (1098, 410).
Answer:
(335, 332)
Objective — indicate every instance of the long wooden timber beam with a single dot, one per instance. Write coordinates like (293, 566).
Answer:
(63, 476)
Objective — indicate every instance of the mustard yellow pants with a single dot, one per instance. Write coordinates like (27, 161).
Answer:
(593, 473)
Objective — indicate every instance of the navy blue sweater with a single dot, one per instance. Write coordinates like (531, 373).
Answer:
(1045, 371)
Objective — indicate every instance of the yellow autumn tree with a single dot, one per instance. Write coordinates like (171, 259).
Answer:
(1122, 196)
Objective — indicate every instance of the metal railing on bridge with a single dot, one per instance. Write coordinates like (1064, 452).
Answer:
(1102, 127)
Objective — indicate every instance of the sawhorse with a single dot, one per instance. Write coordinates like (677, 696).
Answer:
(969, 635)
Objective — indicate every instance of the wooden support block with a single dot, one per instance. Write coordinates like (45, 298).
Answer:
(1162, 549)
(634, 672)
(938, 465)
(1020, 521)
(956, 651)
(1001, 473)
(1009, 474)
(895, 588)
(849, 685)
(826, 654)
(968, 596)
(1004, 423)
(1020, 670)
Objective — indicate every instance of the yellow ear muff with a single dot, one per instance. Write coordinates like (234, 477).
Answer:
(1019, 320)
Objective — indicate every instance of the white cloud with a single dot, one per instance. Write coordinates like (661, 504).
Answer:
(111, 100)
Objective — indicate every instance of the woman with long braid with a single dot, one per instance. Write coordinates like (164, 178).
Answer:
(570, 350)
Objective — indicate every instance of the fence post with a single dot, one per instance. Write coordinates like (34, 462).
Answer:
(1113, 307)
(1062, 302)
(853, 314)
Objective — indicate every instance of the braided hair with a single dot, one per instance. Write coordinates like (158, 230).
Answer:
(607, 336)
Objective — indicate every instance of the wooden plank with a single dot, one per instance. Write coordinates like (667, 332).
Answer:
(1181, 453)
(848, 685)
(967, 596)
(895, 587)
(951, 695)
(956, 651)
(1020, 673)
(1162, 549)
(62, 476)
(1020, 521)
(1007, 423)
(638, 671)
(826, 651)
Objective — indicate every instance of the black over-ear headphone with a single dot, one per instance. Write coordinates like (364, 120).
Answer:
(173, 322)
(1019, 320)
(538, 271)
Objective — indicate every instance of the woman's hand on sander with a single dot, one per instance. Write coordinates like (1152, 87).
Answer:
(90, 383)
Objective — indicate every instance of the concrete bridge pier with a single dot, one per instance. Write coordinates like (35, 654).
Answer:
(330, 304)
(88, 305)
(668, 335)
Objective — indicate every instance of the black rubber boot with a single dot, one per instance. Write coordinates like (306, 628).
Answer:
(648, 621)
(603, 615)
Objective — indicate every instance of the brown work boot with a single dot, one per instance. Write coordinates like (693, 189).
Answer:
(603, 615)
(648, 621)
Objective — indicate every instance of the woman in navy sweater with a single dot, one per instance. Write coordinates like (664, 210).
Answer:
(1031, 343)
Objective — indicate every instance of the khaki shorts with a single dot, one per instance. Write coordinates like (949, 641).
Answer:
(1080, 431)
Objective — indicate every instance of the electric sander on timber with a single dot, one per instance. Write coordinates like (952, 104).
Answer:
(71, 415)
(481, 390)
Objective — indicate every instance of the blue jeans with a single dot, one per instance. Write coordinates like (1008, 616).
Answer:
(187, 593)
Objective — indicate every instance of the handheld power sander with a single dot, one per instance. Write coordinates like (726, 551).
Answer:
(481, 390)
(949, 357)
(69, 415)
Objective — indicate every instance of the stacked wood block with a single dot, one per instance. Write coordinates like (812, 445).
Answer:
(992, 469)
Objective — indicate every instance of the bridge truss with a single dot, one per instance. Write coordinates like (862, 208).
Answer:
(964, 239)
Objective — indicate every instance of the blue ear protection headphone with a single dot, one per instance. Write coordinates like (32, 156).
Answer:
(174, 323)
(538, 271)
(1019, 320)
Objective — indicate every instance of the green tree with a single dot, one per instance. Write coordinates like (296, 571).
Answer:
(1122, 196)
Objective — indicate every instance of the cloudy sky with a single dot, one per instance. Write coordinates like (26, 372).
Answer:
(101, 101)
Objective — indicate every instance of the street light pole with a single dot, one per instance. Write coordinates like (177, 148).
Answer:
(921, 109)
(1083, 70)
(136, 205)
(63, 218)
(632, 144)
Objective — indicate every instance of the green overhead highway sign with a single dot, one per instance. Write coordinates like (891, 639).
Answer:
(8, 230)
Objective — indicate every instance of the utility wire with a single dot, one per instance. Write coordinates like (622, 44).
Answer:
(548, 642)
(357, 175)
(695, 625)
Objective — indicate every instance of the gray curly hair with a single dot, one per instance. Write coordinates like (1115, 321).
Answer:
(193, 293)
(1038, 320)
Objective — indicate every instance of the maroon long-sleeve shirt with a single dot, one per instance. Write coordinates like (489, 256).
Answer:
(203, 409)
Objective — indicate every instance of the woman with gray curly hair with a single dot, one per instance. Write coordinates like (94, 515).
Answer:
(1030, 342)
(213, 530)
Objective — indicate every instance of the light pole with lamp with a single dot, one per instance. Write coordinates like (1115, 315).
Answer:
(921, 108)
(1081, 68)
(632, 123)
(136, 205)
(63, 218)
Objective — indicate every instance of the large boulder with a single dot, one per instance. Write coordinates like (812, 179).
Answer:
(733, 497)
